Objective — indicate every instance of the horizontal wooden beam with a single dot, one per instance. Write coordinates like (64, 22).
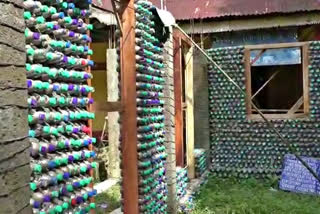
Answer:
(275, 46)
(107, 106)
(277, 116)
(99, 66)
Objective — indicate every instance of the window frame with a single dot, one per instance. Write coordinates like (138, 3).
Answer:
(305, 78)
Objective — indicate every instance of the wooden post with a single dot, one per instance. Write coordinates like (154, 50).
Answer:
(189, 112)
(178, 99)
(129, 114)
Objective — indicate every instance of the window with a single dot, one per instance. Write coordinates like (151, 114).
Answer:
(277, 80)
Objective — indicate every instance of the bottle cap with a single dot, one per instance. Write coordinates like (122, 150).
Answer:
(64, 5)
(65, 205)
(32, 133)
(83, 169)
(30, 51)
(27, 15)
(94, 165)
(60, 177)
(37, 168)
(90, 27)
(33, 186)
(68, 19)
(30, 118)
(54, 194)
(53, 10)
(40, 20)
(49, 56)
(58, 209)
(44, 9)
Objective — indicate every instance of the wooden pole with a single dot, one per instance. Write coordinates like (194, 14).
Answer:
(129, 162)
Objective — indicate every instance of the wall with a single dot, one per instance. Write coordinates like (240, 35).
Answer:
(200, 88)
(243, 147)
(99, 82)
(14, 144)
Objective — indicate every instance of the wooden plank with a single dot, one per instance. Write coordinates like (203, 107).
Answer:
(296, 106)
(189, 113)
(275, 46)
(99, 66)
(248, 80)
(130, 193)
(277, 116)
(305, 69)
(178, 98)
(107, 106)
(258, 56)
(264, 85)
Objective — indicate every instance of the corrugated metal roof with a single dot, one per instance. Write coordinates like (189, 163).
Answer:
(103, 4)
(202, 9)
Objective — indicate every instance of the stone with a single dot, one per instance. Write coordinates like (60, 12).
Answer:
(9, 149)
(11, 37)
(12, 16)
(19, 159)
(11, 56)
(14, 179)
(11, 76)
(13, 123)
(13, 97)
(16, 201)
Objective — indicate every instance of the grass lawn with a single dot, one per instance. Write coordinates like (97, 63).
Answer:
(111, 198)
(220, 196)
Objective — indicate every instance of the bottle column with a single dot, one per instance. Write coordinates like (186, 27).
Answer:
(57, 80)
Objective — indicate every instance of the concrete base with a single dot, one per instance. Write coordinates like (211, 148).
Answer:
(105, 185)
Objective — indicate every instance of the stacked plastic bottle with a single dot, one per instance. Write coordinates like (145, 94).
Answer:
(200, 162)
(242, 147)
(150, 115)
(182, 182)
(61, 146)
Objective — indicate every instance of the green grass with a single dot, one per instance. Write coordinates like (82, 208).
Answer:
(231, 196)
(111, 198)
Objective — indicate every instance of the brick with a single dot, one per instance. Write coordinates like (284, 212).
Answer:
(12, 37)
(12, 16)
(13, 123)
(10, 56)
(11, 76)
(14, 179)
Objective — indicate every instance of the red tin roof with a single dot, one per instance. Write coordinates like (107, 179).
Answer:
(202, 9)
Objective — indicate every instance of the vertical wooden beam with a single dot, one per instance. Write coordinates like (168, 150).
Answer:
(305, 70)
(247, 66)
(189, 113)
(178, 98)
(129, 114)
